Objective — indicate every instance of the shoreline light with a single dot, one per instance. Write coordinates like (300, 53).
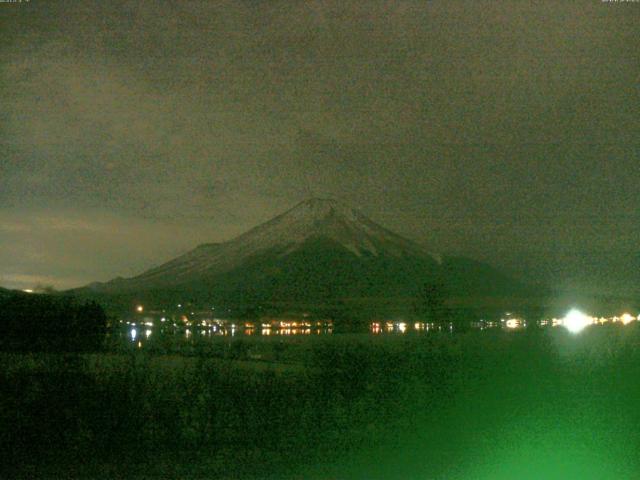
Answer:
(575, 321)
(627, 318)
(513, 323)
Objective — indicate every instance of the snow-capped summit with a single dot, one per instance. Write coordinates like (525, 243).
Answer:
(317, 208)
(330, 219)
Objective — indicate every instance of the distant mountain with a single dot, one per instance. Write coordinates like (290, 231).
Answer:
(320, 251)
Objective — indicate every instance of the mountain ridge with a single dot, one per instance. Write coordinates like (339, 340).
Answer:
(318, 252)
(316, 217)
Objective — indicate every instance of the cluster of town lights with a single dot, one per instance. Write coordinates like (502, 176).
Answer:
(219, 326)
(575, 321)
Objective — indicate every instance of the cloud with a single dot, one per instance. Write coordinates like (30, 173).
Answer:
(176, 123)
(72, 248)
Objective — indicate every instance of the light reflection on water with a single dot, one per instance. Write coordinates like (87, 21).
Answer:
(203, 332)
(199, 333)
(283, 329)
(207, 329)
(400, 327)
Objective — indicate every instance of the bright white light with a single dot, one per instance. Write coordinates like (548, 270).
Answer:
(402, 327)
(627, 318)
(27, 290)
(575, 321)
(139, 309)
(133, 333)
(147, 333)
(513, 323)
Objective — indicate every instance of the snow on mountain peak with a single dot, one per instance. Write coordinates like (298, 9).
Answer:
(318, 209)
(319, 217)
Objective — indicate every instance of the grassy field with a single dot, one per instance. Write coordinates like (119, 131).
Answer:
(477, 405)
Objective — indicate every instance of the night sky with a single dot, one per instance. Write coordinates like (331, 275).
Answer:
(506, 131)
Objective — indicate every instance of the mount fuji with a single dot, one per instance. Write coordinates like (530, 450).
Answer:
(318, 252)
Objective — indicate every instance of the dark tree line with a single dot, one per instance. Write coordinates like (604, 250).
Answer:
(33, 322)
(430, 304)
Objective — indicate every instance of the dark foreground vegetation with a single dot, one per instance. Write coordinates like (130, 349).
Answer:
(50, 323)
(476, 405)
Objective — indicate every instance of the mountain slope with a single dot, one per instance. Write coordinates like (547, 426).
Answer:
(319, 251)
(281, 236)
